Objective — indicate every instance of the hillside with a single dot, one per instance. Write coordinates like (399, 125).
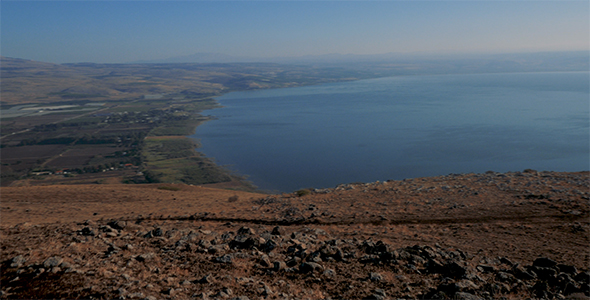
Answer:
(26, 81)
(462, 236)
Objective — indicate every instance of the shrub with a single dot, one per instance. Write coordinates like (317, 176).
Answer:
(169, 188)
(301, 193)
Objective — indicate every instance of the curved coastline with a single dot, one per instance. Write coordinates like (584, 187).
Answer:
(507, 157)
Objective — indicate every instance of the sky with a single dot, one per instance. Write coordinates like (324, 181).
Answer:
(125, 31)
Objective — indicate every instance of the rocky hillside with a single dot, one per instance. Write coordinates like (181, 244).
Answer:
(470, 236)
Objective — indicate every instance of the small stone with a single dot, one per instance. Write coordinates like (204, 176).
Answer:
(279, 265)
(246, 231)
(375, 277)
(145, 257)
(168, 291)
(466, 296)
(277, 231)
(308, 267)
(87, 231)
(158, 232)
(226, 259)
(505, 277)
(329, 273)
(485, 268)
(266, 290)
(269, 246)
(53, 261)
(17, 261)
(119, 225)
(200, 296)
(227, 290)
(265, 261)
(206, 279)
(136, 295)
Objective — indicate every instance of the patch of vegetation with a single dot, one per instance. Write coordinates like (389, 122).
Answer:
(303, 192)
(175, 160)
(169, 188)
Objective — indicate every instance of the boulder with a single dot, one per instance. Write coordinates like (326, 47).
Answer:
(567, 269)
(544, 262)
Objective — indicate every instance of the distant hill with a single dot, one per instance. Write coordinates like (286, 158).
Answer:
(208, 74)
(507, 62)
(27, 81)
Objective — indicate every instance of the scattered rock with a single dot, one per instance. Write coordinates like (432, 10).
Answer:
(17, 261)
(246, 231)
(225, 259)
(466, 296)
(544, 262)
(87, 231)
(308, 267)
(277, 231)
(376, 277)
(53, 261)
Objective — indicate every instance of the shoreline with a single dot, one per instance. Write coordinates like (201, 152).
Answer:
(503, 156)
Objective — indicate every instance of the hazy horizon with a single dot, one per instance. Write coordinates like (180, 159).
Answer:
(122, 32)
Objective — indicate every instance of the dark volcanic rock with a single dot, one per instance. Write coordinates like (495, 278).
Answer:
(87, 231)
(308, 267)
(544, 262)
(119, 225)
(226, 259)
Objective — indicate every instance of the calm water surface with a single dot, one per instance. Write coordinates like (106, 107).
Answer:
(402, 127)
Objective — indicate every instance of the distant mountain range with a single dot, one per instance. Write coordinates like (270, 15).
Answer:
(578, 60)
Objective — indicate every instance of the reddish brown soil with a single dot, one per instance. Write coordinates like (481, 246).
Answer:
(518, 217)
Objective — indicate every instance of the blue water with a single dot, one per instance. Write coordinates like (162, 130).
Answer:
(402, 127)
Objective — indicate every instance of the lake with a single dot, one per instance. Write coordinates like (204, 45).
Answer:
(402, 127)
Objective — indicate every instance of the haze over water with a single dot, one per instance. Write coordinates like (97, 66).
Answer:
(402, 127)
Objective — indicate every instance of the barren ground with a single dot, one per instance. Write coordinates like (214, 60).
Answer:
(468, 236)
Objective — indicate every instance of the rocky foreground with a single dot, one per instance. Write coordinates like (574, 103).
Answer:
(466, 236)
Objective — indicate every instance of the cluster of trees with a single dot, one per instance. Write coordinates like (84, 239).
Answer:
(129, 139)
(153, 116)
(57, 126)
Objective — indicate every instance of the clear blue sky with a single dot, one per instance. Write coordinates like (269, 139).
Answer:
(113, 31)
